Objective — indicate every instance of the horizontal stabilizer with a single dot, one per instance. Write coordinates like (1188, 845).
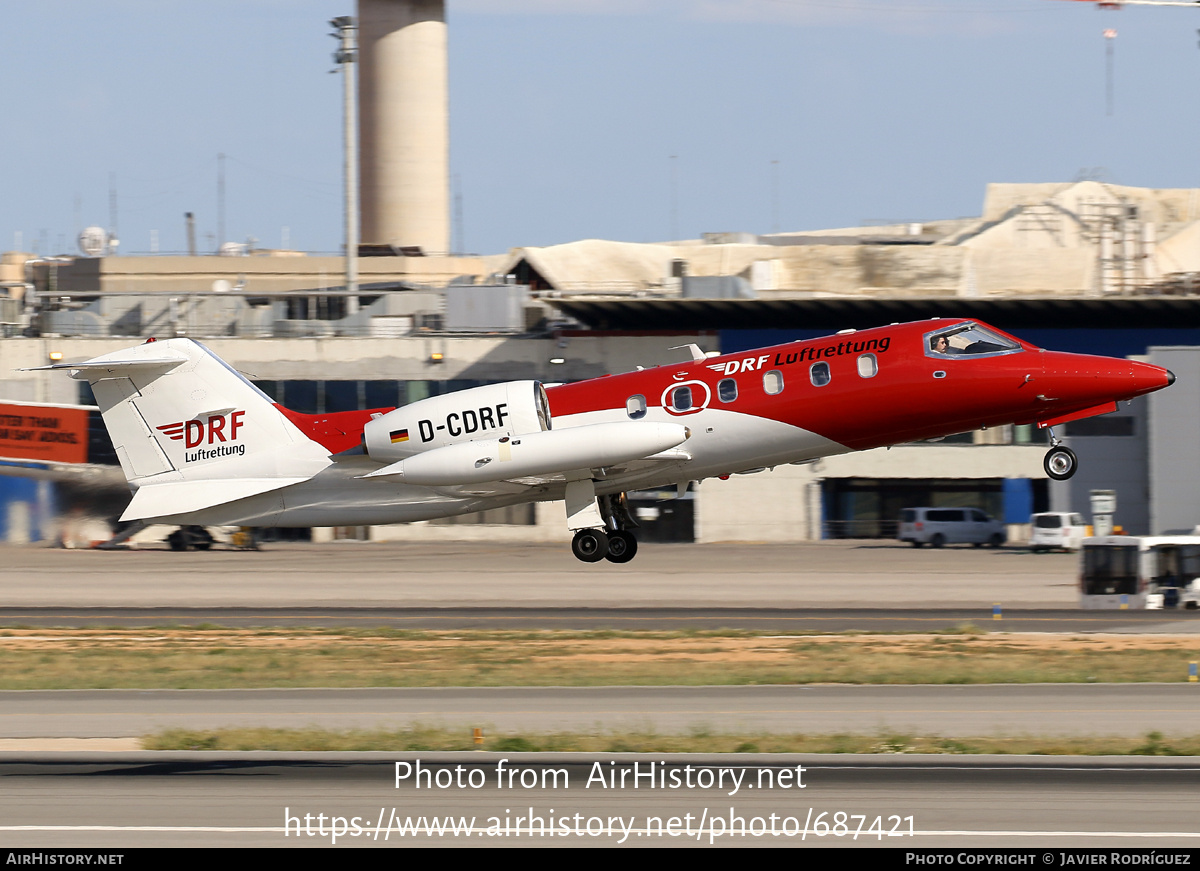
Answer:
(99, 365)
(183, 497)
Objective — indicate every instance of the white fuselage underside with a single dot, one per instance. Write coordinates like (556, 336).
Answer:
(722, 442)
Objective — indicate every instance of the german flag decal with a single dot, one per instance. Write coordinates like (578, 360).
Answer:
(399, 435)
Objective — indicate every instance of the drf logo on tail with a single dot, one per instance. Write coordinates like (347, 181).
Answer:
(193, 433)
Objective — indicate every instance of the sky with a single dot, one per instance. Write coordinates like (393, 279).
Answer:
(572, 119)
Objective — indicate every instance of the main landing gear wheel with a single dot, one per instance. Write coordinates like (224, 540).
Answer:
(590, 545)
(622, 546)
(1060, 463)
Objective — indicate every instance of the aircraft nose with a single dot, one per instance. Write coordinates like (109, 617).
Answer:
(1075, 378)
(1149, 377)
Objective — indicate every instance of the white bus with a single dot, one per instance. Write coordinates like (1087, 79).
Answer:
(1140, 571)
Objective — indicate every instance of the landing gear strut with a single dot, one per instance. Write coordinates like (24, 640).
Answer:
(1060, 462)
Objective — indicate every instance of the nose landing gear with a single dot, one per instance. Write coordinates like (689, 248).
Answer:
(1060, 462)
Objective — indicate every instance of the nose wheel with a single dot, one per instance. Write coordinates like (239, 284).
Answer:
(1060, 463)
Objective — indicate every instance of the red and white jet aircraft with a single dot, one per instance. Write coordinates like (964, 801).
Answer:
(199, 444)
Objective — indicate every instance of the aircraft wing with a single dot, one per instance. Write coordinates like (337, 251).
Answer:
(83, 475)
(627, 476)
(620, 451)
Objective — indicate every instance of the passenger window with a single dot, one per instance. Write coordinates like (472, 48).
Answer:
(727, 390)
(868, 366)
(635, 407)
(773, 382)
(819, 374)
(681, 398)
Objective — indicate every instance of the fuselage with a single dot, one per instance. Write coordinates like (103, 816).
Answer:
(854, 391)
(756, 409)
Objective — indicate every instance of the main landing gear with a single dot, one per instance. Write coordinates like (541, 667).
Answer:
(602, 525)
(1060, 461)
(593, 545)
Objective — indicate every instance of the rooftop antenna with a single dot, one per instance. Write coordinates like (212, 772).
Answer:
(774, 196)
(190, 219)
(113, 240)
(1110, 38)
(220, 200)
(674, 198)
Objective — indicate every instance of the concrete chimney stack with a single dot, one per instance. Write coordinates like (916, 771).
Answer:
(404, 124)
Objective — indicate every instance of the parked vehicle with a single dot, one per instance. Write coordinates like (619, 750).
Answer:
(939, 526)
(1140, 571)
(1057, 529)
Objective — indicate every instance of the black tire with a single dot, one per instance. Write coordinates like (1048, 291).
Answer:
(622, 547)
(1060, 463)
(590, 545)
(917, 543)
(938, 540)
(996, 540)
(200, 538)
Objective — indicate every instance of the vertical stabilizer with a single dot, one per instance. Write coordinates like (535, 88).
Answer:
(190, 431)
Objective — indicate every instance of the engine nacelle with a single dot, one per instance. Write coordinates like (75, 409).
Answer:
(511, 408)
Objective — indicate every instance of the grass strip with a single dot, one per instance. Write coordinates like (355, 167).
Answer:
(214, 658)
(429, 739)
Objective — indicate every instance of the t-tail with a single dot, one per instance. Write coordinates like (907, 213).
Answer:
(190, 432)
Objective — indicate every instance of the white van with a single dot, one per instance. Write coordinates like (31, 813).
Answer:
(1057, 529)
(940, 526)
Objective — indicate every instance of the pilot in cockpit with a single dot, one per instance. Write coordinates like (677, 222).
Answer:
(970, 340)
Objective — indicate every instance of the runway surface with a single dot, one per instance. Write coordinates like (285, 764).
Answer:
(124, 800)
(1023, 804)
(835, 574)
(1127, 710)
(784, 621)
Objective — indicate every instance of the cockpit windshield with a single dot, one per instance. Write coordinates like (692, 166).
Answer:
(967, 340)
